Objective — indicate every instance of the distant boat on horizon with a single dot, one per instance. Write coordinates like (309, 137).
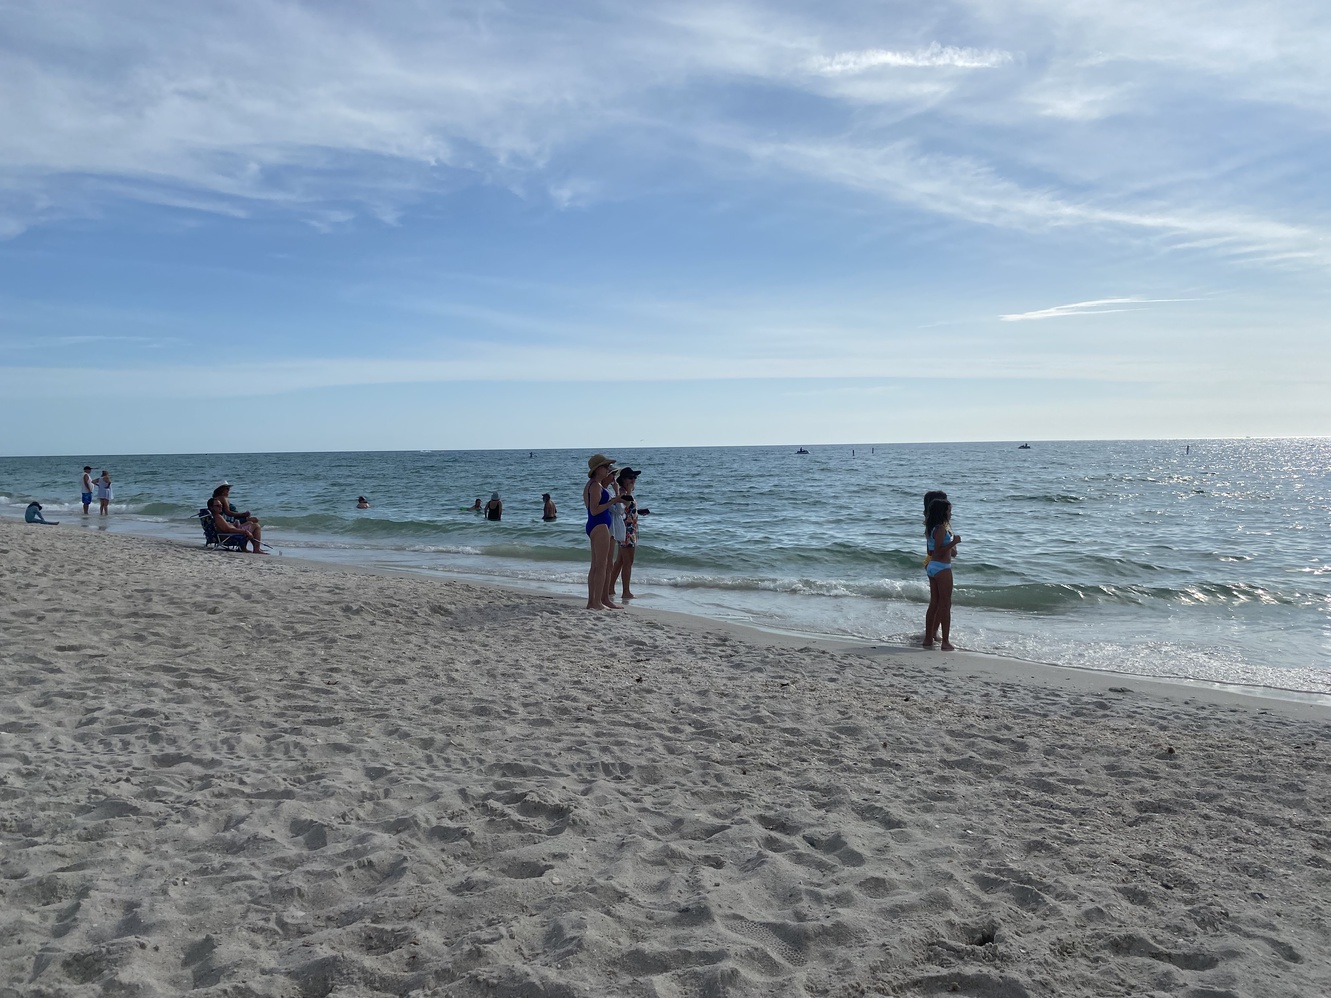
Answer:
(801, 451)
(1024, 447)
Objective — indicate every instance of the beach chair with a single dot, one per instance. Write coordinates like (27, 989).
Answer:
(214, 541)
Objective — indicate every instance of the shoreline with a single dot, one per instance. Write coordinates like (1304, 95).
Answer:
(998, 666)
(233, 774)
(1301, 703)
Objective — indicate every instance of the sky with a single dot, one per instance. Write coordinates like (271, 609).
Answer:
(253, 225)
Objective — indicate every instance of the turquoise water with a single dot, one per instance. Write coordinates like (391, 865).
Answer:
(1206, 560)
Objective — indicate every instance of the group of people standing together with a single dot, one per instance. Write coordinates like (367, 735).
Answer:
(102, 486)
(612, 530)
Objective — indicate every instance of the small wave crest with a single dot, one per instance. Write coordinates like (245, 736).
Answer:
(1048, 497)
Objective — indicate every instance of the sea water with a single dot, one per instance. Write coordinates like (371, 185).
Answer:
(1204, 560)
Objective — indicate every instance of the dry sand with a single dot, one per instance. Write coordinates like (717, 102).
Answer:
(223, 774)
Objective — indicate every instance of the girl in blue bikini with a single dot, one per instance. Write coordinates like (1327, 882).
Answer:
(942, 545)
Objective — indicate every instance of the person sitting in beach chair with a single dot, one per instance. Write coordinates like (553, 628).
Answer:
(223, 492)
(215, 541)
(224, 530)
(212, 539)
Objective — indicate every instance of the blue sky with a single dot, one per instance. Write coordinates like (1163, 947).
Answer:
(270, 225)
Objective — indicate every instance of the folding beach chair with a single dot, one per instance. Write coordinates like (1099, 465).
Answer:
(214, 541)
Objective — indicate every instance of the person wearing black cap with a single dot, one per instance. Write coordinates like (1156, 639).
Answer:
(628, 480)
(33, 514)
(548, 511)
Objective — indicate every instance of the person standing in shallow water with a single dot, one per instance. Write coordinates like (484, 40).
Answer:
(930, 623)
(598, 500)
(104, 494)
(628, 547)
(942, 546)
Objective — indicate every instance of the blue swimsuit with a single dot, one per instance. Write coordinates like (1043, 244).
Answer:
(934, 567)
(601, 517)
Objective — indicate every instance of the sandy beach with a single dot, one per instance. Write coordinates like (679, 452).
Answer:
(226, 774)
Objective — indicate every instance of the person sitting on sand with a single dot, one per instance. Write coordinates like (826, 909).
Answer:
(494, 509)
(942, 546)
(225, 526)
(33, 514)
(548, 511)
(362, 503)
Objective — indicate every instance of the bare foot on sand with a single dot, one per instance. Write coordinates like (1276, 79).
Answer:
(629, 596)
(612, 606)
(947, 646)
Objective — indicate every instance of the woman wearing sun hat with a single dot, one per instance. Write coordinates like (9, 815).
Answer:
(598, 500)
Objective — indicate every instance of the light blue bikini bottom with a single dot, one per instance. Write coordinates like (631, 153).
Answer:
(934, 567)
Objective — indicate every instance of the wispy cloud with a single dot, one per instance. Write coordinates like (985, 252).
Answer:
(1100, 306)
(934, 56)
(254, 107)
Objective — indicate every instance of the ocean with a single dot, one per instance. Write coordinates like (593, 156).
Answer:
(1199, 560)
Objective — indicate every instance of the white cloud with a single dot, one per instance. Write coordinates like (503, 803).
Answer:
(934, 56)
(251, 107)
(1100, 306)
(971, 190)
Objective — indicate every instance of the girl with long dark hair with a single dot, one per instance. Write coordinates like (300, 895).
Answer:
(942, 546)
